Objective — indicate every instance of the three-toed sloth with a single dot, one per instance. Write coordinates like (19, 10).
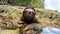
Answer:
(29, 15)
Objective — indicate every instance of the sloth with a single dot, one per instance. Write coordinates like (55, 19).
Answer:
(29, 18)
(29, 15)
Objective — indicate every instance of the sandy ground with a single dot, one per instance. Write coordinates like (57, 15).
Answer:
(9, 31)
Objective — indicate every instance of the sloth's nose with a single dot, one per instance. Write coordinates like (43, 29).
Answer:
(29, 12)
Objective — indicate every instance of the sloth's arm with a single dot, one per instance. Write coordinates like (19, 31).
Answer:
(34, 26)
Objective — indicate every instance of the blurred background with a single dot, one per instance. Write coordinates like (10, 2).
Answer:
(46, 4)
(35, 3)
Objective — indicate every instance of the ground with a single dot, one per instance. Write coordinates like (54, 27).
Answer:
(48, 18)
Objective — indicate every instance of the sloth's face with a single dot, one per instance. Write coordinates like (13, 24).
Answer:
(29, 14)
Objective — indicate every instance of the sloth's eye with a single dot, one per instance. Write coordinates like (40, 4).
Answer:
(26, 11)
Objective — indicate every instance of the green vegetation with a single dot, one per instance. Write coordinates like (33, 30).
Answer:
(35, 3)
(38, 3)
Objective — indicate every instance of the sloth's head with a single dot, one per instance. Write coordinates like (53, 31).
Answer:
(29, 13)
